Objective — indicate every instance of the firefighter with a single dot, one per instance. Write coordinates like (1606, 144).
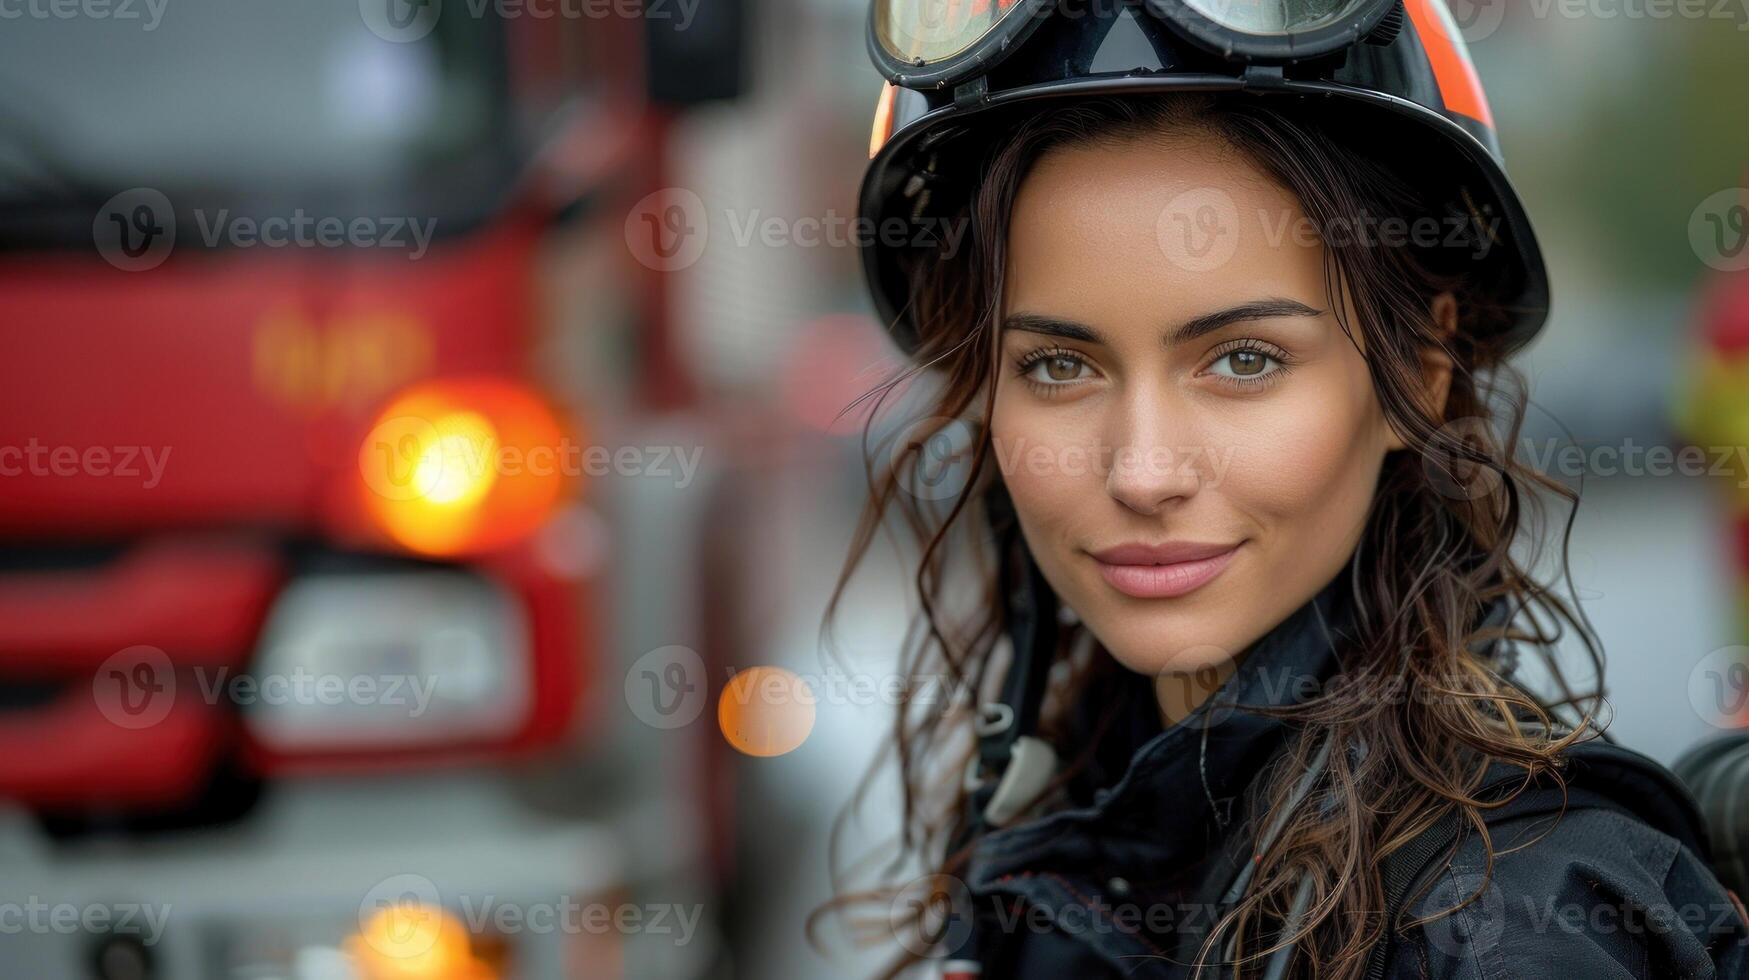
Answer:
(1209, 308)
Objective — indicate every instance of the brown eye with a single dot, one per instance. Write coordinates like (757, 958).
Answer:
(1062, 368)
(1245, 363)
(1055, 370)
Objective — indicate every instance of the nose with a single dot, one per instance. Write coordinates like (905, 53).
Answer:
(1153, 456)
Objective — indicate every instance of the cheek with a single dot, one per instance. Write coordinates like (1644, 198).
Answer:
(1309, 457)
(1047, 456)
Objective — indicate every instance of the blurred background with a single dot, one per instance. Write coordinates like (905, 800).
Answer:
(420, 429)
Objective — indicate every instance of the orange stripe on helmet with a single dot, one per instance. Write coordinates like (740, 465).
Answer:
(883, 120)
(1459, 85)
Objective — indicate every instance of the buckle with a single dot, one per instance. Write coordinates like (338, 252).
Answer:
(1027, 771)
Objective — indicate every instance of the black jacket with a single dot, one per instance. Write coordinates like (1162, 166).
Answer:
(1127, 878)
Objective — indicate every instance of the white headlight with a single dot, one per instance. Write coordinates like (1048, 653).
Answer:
(391, 660)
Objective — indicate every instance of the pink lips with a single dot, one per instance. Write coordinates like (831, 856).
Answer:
(1162, 571)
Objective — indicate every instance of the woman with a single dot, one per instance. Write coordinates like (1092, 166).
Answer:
(1216, 340)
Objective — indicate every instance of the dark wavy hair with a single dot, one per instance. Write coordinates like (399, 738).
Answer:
(1455, 526)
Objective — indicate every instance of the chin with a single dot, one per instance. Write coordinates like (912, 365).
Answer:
(1156, 642)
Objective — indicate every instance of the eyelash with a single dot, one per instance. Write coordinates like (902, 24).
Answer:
(1026, 362)
(1281, 358)
(1024, 365)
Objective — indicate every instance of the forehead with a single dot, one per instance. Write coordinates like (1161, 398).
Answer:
(1139, 233)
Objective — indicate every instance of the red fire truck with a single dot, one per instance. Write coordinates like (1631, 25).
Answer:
(309, 665)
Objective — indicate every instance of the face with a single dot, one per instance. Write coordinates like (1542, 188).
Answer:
(1191, 443)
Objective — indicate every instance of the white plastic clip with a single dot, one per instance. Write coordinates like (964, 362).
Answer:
(1031, 764)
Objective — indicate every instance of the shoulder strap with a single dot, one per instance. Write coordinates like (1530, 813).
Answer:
(1599, 774)
(1401, 868)
(1643, 787)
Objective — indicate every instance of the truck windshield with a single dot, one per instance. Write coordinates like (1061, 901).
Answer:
(246, 103)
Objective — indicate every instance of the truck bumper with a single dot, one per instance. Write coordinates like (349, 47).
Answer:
(279, 895)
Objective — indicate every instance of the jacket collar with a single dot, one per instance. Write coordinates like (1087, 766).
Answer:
(1180, 790)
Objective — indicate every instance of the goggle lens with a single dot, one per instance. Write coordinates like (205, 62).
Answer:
(1275, 17)
(927, 32)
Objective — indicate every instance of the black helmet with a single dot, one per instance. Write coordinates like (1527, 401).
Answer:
(957, 69)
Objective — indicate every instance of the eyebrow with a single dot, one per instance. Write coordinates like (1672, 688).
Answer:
(1191, 329)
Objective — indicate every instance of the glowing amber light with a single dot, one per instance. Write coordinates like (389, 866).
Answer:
(462, 466)
(453, 469)
(411, 940)
(766, 711)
